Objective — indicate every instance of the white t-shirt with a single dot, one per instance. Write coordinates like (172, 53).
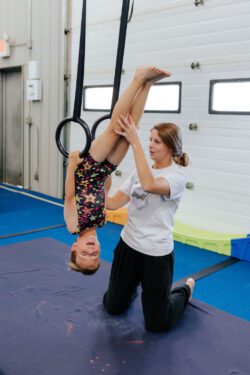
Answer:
(149, 227)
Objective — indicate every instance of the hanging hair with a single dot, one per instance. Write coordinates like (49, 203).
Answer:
(85, 271)
(170, 134)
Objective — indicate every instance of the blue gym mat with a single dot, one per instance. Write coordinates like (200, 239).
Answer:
(20, 212)
(227, 289)
(52, 322)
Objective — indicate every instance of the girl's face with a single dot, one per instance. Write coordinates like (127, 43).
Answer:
(157, 148)
(87, 250)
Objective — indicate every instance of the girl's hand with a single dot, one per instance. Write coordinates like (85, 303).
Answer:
(74, 158)
(128, 129)
(107, 184)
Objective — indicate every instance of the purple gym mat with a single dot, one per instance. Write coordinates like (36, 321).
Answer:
(52, 322)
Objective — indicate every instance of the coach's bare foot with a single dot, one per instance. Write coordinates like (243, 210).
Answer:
(151, 74)
(191, 283)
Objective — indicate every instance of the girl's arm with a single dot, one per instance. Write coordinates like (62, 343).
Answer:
(117, 201)
(70, 209)
(70, 183)
(74, 161)
(149, 183)
(107, 185)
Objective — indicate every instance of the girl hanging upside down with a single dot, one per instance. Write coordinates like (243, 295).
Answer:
(87, 181)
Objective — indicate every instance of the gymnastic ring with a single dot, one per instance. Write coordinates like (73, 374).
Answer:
(95, 125)
(85, 128)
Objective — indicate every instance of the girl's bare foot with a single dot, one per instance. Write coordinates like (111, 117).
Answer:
(191, 283)
(160, 74)
(151, 74)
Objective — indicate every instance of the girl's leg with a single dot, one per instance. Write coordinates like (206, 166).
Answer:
(104, 144)
(137, 109)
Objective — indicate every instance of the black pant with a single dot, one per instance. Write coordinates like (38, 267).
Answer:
(161, 306)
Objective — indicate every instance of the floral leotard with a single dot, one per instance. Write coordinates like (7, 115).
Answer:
(90, 176)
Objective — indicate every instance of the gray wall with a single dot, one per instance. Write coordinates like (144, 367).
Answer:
(36, 32)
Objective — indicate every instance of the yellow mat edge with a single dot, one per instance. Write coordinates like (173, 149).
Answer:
(208, 240)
